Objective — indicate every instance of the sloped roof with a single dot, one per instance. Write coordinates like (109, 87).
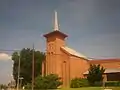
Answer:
(112, 70)
(54, 32)
(108, 70)
(73, 52)
(103, 61)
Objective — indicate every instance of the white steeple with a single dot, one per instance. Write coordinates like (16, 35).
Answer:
(56, 26)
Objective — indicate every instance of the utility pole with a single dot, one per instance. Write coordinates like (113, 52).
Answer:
(20, 79)
(18, 72)
(18, 64)
(33, 63)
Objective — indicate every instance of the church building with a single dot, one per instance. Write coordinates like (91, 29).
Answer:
(68, 63)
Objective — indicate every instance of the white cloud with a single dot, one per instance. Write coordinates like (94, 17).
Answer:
(4, 56)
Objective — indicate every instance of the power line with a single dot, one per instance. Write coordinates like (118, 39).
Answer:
(17, 50)
(9, 50)
(18, 64)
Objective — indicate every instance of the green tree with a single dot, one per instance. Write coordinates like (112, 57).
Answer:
(95, 74)
(51, 81)
(26, 64)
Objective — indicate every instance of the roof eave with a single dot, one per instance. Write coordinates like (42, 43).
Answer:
(57, 31)
(73, 55)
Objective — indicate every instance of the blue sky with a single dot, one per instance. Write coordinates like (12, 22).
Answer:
(93, 26)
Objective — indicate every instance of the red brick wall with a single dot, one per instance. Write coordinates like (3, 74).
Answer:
(78, 66)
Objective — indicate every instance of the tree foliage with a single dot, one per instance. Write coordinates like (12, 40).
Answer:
(26, 64)
(95, 74)
(51, 81)
(79, 82)
(2, 86)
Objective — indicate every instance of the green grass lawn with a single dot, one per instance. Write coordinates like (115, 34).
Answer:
(91, 88)
(83, 88)
(86, 88)
(115, 88)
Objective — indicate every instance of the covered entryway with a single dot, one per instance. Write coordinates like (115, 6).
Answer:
(113, 74)
(110, 74)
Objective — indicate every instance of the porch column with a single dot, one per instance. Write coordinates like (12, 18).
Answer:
(104, 77)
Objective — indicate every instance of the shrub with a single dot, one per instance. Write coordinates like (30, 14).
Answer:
(79, 82)
(98, 84)
(28, 86)
(51, 81)
(112, 83)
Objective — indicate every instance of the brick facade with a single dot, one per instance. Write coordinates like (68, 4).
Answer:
(65, 62)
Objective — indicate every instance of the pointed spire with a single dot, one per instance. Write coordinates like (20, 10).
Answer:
(56, 26)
